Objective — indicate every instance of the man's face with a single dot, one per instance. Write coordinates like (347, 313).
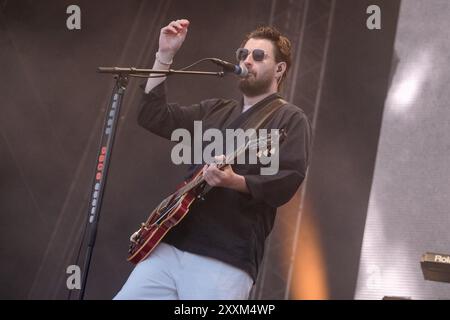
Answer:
(261, 74)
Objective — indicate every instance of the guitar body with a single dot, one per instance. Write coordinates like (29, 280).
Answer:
(175, 207)
(167, 215)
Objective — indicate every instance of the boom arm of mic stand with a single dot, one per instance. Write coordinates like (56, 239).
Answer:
(136, 71)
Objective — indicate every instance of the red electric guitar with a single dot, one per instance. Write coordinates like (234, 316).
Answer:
(175, 207)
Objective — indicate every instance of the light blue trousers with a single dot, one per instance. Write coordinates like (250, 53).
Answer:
(170, 274)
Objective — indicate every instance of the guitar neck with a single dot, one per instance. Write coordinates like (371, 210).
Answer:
(252, 143)
(191, 185)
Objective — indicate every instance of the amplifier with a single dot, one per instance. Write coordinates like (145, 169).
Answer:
(436, 266)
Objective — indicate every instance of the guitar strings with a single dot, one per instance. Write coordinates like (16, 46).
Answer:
(200, 179)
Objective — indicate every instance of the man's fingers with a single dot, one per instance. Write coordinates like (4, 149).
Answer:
(207, 170)
(184, 22)
(212, 181)
(213, 175)
(176, 25)
(179, 26)
(169, 30)
(213, 171)
(219, 159)
(207, 176)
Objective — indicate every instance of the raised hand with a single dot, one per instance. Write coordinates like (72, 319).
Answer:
(172, 37)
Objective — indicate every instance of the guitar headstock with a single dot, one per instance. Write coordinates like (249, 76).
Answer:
(262, 144)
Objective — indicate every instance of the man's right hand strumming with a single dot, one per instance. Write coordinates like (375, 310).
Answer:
(170, 40)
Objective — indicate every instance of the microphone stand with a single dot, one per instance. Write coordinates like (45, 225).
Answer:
(105, 150)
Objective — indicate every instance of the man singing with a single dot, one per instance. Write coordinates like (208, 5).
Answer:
(215, 251)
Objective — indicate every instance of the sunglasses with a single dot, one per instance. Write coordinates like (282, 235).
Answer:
(257, 54)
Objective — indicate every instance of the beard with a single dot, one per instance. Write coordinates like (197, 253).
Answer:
(252, 87)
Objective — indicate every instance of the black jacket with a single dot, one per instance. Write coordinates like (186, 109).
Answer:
(228, 225)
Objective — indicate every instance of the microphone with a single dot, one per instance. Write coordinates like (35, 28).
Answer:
(229, 67)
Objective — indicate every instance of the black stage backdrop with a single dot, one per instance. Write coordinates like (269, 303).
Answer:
(53, 105)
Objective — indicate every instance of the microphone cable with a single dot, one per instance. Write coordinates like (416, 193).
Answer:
(182, 69)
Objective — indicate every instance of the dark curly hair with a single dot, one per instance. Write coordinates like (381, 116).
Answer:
(281, 44)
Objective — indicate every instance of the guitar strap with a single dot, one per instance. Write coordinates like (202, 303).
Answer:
(261, 117)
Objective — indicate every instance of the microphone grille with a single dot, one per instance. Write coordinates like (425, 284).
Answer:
(244, 71)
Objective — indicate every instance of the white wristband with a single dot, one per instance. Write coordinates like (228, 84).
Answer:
(162, 62)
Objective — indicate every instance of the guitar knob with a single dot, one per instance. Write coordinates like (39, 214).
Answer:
(144, 226)
(135, 236)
